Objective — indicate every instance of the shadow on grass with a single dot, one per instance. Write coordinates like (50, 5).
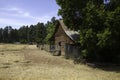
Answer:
(106, 66)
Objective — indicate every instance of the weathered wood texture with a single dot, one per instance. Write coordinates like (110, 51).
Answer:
(62, 36)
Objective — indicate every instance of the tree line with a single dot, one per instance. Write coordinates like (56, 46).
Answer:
(39, 33)
(98, 24)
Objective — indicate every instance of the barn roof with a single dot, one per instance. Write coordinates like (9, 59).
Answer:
(63, 25)
(73, 35)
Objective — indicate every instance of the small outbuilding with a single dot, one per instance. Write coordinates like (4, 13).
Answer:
(64, 40)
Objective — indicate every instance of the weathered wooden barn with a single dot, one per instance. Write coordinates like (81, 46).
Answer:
(64, 40)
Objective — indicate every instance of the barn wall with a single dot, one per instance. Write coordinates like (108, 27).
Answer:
(61, 39)
(60, 43)
(72, 51)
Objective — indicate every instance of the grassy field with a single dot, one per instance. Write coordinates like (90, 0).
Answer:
(26, 62)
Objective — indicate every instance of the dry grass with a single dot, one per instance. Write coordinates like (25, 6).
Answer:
(11, 47)
(26, 62)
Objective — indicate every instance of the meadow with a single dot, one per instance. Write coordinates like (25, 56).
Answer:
(26, 62)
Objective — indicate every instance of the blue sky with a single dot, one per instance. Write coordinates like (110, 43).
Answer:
(17, 13)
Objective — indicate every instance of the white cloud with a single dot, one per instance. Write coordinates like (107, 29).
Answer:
(14, 11)
(47, 17)
(15, 23)
(9, 21)
(17, 17)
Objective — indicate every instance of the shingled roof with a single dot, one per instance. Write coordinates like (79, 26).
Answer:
(63, 25)
(73, 35)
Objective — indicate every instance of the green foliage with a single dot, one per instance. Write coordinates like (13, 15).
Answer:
(50, 27)
(40, 33)
(1, 35)
(99, 27)
(32, 34)
(25, 34)
(103, 37)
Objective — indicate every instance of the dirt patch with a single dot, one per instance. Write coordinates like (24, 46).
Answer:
(43, 57)
(30, 63)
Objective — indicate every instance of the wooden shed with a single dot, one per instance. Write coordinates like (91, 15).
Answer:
(62, 37)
